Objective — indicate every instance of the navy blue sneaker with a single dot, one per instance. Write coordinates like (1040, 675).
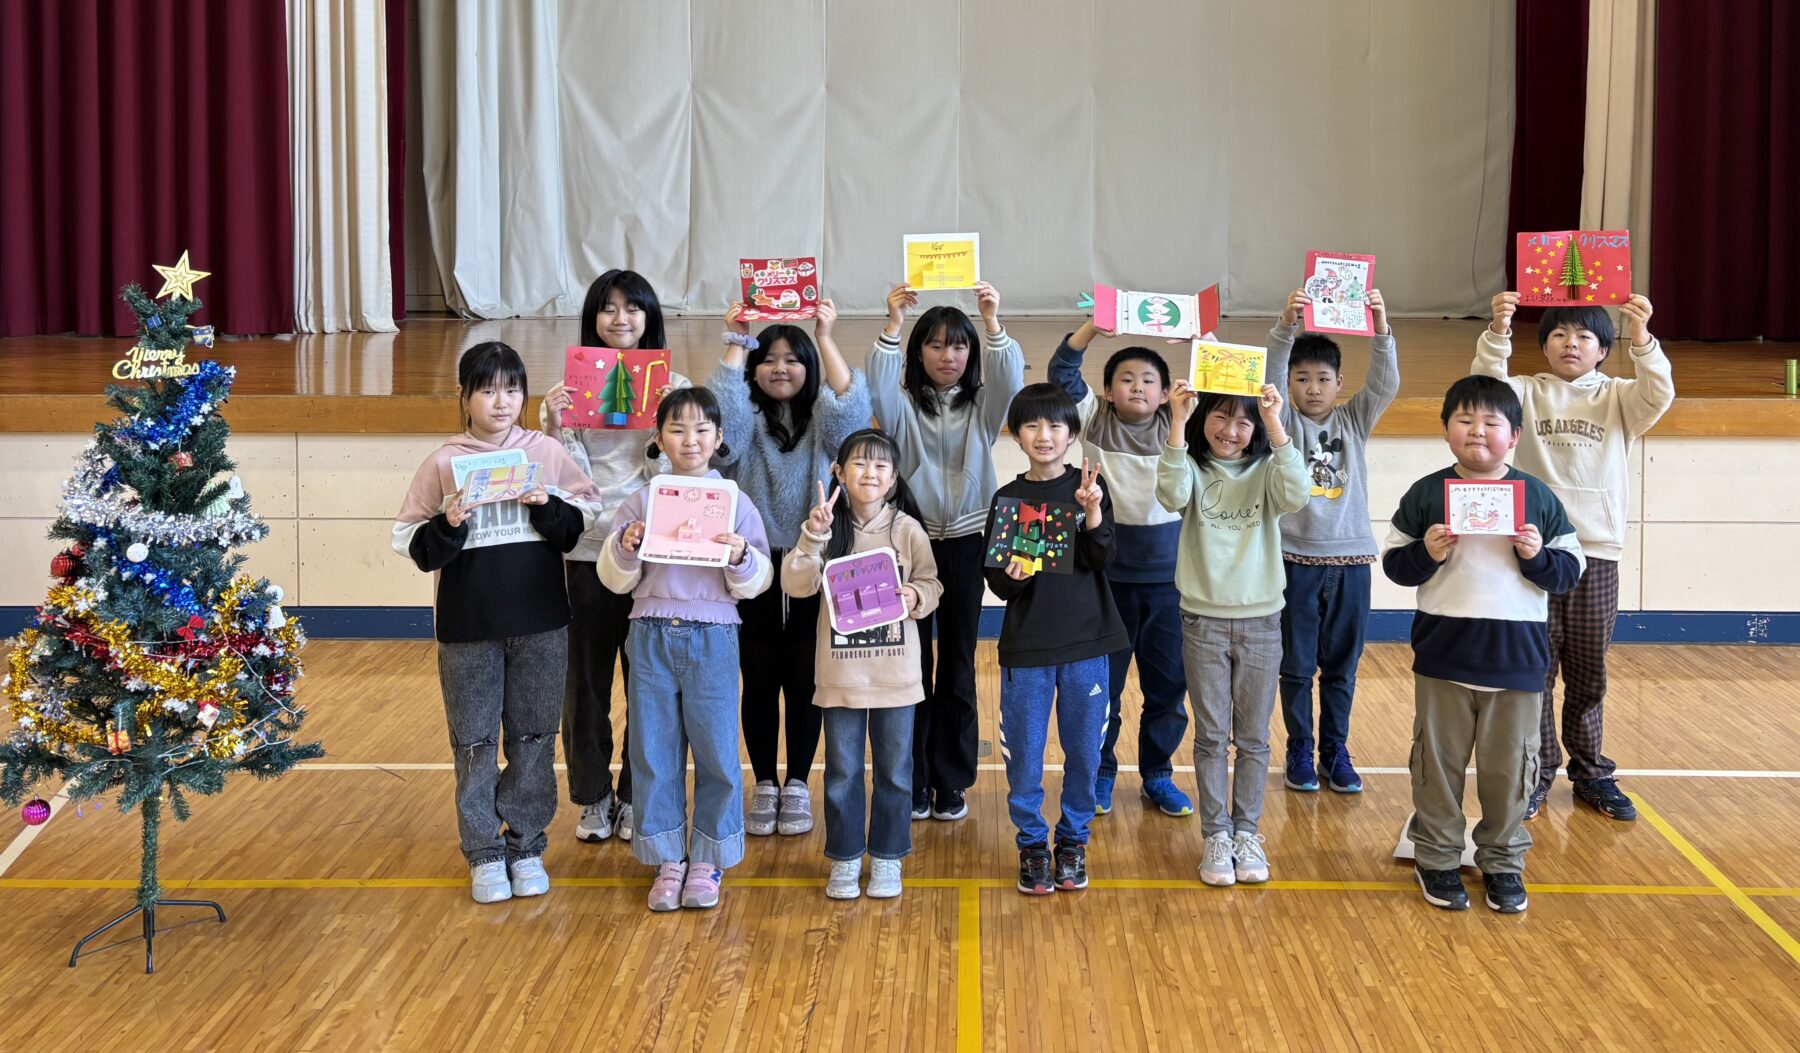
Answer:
(1339, 775)
(1605, 797)
(1443, 888)
(1298, 773)
(1505, 893)
(1103, 788)
(1535, 804)
(1168, 798)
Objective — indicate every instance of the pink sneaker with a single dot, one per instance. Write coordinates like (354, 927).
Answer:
(702, 888)
(665, 891)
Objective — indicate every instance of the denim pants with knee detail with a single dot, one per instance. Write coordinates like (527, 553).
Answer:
(504, 695)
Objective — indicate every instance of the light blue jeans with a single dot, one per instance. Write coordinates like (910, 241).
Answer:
(1078, 692)
(889, 733)
(684, 693)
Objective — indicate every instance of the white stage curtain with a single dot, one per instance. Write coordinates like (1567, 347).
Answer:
(1621, 104)
(338, 132)
(1156, 144)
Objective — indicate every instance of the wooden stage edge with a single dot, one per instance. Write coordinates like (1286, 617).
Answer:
(403, 383)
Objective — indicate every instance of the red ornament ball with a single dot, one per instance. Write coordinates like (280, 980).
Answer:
(181, 459)
(36, 812)
(64, 564)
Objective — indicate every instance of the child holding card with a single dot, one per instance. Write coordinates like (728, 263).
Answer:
(1582, 426)
(1327, 547)
(793, 403)
(621, 312)
(870, 680)
(501, 615)
(1054, 642)
(1231, 472)
(944, 406)
(1123, 432)
(1480, 649)
(684, 658)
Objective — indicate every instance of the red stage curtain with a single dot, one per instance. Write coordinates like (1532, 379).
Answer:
(1725, 227)
(1550, 93)
(135, 129)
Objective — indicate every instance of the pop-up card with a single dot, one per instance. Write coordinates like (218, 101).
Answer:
(1484, 506)
(682, 516)
(779, 290)
(614, 389)
(862, 591)
(1574, 268)
(942, 261)
(505, 483)
(1038, 536)
(1229, 369)
(1339, 284)
(460, 467)
(1176, 316)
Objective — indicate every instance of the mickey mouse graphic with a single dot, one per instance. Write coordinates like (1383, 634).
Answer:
(1327, 481)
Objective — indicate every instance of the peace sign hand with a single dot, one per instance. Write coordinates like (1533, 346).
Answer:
(818, 522)
(1090, 493)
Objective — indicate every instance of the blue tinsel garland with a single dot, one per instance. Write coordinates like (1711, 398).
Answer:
(199, 397)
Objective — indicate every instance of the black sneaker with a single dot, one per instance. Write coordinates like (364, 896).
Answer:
(1505, 893)
(921, 803)
(1034, 871)
(1604, 796)
(1442, 888)
(950, 805)
(1535, 803)
(1071, 867)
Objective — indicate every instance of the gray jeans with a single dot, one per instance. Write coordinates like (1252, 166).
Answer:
(1232, 668)
(504, 693)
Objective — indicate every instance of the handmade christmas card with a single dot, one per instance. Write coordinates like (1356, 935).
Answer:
(1229, 369)
(1038, 536)
(460, 467)
(682, 516)
(1569, 268)
(614, 389)
(862, 591)
(942, 261)
(1339, 284)
(1484, 506)
(779, 290)
(1175, 316)
(505, 483)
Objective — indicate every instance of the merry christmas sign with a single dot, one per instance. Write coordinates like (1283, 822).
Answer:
(783, 290)
(1574, 268)
(614, 389)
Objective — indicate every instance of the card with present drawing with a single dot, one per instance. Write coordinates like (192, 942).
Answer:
(1038, 536)
(779, 290)
(1229, 369)
(682, 516)
(1484, 506)
(1574, 268)
(862, 591)
(1339, 284)
(503, 483)
(614, 389)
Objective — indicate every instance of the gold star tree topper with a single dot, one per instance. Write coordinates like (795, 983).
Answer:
(179, 279)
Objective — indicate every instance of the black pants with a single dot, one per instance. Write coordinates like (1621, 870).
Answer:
(945, 741)
(776, 647)
(599, 618)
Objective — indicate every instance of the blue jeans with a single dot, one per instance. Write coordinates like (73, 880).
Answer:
(890, 736)
(1152, 615)
(1322, 628)
(684, 693)
(1078, 690)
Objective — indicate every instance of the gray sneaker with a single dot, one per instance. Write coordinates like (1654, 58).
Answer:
(765, 803)
(1215, 862)
(622, 821)
(796, 809)
(596, 822)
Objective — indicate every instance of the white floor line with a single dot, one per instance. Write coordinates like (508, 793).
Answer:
(30, 833)
(1646, 773)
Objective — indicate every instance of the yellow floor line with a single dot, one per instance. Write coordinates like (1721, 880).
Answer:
(968, 968)
(1713, 874)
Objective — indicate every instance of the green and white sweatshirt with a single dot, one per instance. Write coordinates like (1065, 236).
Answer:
(1229, 562)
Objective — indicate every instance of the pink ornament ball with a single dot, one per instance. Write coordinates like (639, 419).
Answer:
(35, 813)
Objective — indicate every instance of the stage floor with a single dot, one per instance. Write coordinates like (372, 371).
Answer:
(405, 382)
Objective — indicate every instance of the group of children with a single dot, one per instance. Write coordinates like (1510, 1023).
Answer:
(1222, 541)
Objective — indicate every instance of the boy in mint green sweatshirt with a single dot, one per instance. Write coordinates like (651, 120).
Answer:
(1231, 473)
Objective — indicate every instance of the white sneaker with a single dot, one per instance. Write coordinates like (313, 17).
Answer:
(796, 809)
(488, 882)
(1215, 864)
(529, 878)
(622, 824)
(765, 802)
(1252, 861)
(845, 873)
(595, 823)
(884, 879)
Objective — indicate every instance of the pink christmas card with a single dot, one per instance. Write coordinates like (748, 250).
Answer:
(780, 290)
(1574, 268)
(614, 389)
(1176, 316)
(1339, 284)
(682, 515)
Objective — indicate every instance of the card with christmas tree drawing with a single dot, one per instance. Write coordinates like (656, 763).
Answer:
(862, 591)
(780, 290)
(614, 389)
(1339, 284)
(1574, 268)
(1038, 536)
(682, 515)
(1228, 369)
(1175, 316)
(504, 483)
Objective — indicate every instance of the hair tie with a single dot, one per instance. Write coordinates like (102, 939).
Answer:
(743, 340)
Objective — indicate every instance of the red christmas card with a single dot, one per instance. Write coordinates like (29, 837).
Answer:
(780, 290)
(1574, 268)
(1339, 284)
(614, 389)
(1039, 537)
(1495, 507)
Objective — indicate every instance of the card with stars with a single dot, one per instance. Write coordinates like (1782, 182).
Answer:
(614, 389)
(1574, 268)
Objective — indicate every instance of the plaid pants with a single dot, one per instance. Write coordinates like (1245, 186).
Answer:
(1581, 629)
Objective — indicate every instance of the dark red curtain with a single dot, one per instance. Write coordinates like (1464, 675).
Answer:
(1550, 100)
(1725, 227)
(135, 129)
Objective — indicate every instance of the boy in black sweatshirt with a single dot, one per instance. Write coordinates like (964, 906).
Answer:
(1059, 629)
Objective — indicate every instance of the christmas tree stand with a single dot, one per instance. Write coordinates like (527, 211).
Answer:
(149, 898)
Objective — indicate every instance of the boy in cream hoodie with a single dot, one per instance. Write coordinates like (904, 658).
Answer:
(1579, 428)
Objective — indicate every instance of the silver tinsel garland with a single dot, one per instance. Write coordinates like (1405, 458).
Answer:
(85, 502)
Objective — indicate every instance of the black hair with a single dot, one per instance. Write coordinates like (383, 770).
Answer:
(1138, 353)
(676, 402)
(1594, 319)
(1042, 402)
(957, 329)
(1311, 347)
(800, 407)
(638, 293)
(484, 364)
(861, 444)
(1209, 401)
(1484, 393)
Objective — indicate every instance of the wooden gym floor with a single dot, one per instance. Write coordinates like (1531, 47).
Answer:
(351, 927)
